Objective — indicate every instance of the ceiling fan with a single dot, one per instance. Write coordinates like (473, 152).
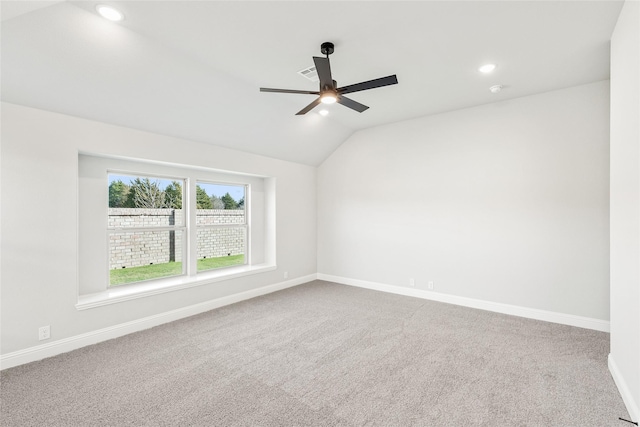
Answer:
(329, 93)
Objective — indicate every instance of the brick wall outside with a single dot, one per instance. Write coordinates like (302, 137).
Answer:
(133, 249)
(219, 242)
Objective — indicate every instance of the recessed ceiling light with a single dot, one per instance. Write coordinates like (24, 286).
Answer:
(487, 68)
(323, 112)
(495, 88)
(109, 13)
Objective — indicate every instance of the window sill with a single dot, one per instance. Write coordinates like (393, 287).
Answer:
(142, 290)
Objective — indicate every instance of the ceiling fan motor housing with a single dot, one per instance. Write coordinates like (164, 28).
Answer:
(327, 88)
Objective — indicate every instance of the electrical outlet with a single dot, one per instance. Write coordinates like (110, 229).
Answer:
(412, 281)
(430, 286)
(44, 333)
(286, 274)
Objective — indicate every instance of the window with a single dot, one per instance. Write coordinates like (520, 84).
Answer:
(146, 228)
(150, 227)
(221, 223)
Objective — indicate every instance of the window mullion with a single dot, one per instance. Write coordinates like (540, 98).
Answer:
(192, 250)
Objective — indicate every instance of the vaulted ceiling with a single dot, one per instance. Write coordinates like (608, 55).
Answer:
(193, 69)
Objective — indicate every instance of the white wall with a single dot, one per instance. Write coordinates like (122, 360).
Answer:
(506, 202)
(39, 259)
(624, 360)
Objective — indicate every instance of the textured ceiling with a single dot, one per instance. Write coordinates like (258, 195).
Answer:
(193, 69)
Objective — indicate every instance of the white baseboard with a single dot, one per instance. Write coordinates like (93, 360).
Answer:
(530, 313)
(627, 397)
(67, 344)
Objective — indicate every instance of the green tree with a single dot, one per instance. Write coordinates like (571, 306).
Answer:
(241, 204)
(173, 195)
(202, 199)
(229, 202)
(216, 202)
(146, 194)
(118, 192)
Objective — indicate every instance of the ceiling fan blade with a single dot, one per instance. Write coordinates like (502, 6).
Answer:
(347, 102)
(324, 72)
(308, 108)
(305, 92)
(371, 84)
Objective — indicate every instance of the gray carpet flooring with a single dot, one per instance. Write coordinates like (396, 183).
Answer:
(323, 354)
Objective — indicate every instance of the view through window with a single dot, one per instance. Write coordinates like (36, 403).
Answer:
(147, 227)
(221, 223)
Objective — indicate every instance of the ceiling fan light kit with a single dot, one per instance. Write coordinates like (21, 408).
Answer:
(328, 98)
(329, 92)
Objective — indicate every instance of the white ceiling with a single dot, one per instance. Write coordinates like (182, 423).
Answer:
(193, 69)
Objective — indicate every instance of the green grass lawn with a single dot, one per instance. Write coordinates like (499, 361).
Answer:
(123, 276)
